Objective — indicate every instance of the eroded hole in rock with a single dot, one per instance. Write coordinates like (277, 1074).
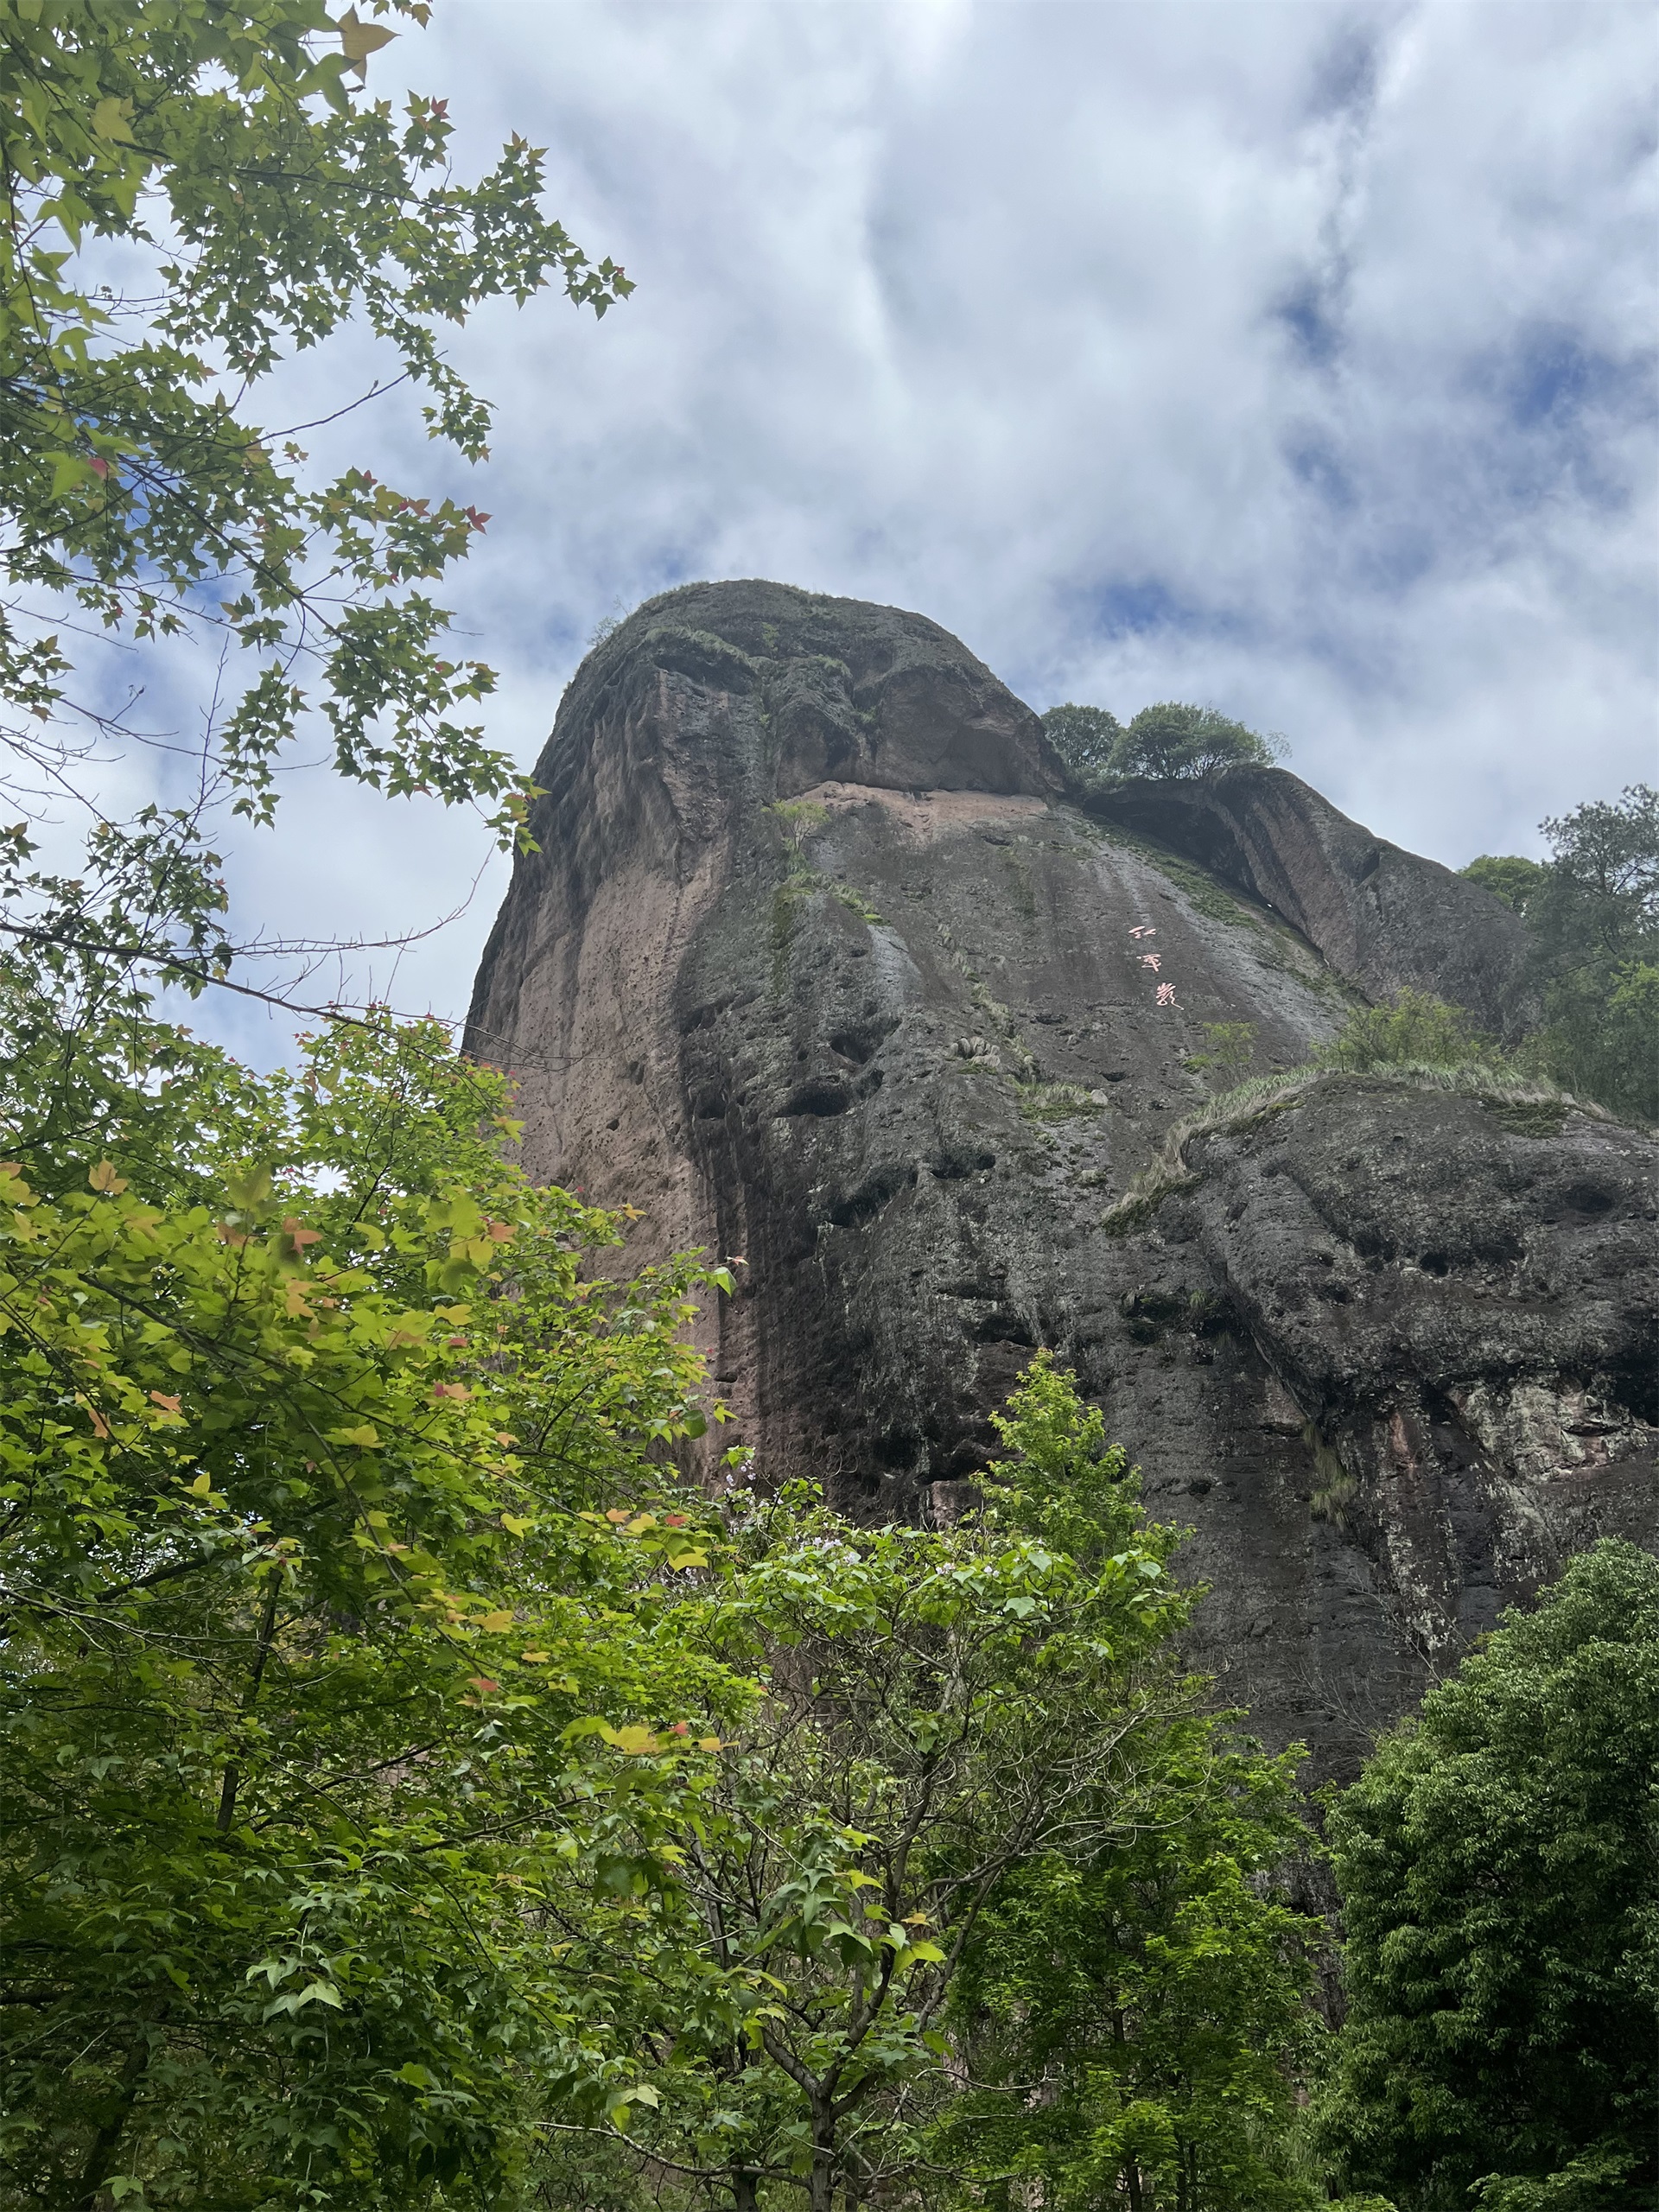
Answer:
(875, 1191)
(1003, 1329)
(820, 1095)
(1588, 1198)
(1435, 1263)
(858, 1043)
(952, 1167)
(897, 1447)
(1149, 1313)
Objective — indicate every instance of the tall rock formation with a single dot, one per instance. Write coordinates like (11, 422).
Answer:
(821, 964)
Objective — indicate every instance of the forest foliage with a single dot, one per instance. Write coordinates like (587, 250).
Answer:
(417, 1790)
(433, 1773)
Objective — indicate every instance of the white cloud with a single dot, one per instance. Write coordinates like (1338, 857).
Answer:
(1298, 358)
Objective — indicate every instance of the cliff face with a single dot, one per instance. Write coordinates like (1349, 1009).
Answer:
(819, 965)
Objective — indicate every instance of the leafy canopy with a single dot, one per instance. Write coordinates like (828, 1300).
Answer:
(973, 1749)
(337, 1582)
(1169, 740)
(195, 190)
(1496, 1862)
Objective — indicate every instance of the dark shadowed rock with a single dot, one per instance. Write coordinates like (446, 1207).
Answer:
(1389, 1352)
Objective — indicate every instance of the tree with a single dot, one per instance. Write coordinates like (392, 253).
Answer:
(335, 1560)
(1592, 912)
(1086, 738)
(963, 1729)
(1158, 1994)
(1496, 1865)
(1169, 740)
(1231, 1048)
(1174, 740)
(261, 205)
(1508, 876)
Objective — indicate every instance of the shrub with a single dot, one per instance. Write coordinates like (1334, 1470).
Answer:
(1411, 1027)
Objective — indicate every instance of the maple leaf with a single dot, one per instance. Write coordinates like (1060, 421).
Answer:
(358, 41)
(104, 1178)
(299, 1236)
(167, 1405)
(482, 1683)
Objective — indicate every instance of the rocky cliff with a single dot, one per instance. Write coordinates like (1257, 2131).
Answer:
(821, 964)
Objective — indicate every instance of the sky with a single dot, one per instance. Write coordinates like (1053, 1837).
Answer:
(1294, 359)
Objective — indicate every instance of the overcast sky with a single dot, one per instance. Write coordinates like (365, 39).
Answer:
(1295, 358)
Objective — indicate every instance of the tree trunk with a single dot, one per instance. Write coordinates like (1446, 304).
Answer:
(823, 2189)
(262, 1652)
(100, 2159)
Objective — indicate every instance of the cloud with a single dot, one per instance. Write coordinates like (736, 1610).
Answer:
(1298, 359)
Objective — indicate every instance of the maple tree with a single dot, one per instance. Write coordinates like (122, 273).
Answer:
(341, 1621)
(259, 204)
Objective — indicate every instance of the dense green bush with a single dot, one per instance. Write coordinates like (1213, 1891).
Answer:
(1412, 1029)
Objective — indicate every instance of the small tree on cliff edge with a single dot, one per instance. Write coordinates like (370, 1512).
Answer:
(1171, 740)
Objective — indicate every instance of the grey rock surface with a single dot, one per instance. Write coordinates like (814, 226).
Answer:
(820, 965)
(1381, 916)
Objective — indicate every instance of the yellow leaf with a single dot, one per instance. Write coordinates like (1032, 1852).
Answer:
(359, 41)
(636, 1737)
(366, 1435)
(710, 1744)
(497, 1623)
(102, 1177)
(534, 1658)
(109, 120)
(514, 1524)
(201, 1486)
